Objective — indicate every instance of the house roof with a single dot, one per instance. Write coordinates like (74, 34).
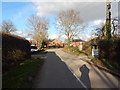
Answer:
(55, 40)
(77, 40)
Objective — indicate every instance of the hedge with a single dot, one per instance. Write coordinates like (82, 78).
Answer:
(15, 49)
(87, 47)
(110, 51)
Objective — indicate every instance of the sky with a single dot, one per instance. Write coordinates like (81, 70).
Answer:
(91, 12)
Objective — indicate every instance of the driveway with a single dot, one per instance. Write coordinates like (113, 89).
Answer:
(63, 70)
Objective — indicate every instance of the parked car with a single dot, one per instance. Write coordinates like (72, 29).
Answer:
(34, 48)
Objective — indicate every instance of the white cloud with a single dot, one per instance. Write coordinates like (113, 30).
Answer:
(56, 36)
(89, 11)
(99, 22)
(52, 36)
(20, 33)
(85, 37)
(62, 38)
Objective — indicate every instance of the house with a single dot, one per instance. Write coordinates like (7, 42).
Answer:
(78, 43)
(55, 43)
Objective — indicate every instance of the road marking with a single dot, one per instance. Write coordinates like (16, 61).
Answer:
(77, 78)
(74, 73)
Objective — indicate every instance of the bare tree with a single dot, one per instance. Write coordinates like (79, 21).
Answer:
(39, 27)
(8, 26)
(68, 23)
(100, 31)
(114, 23)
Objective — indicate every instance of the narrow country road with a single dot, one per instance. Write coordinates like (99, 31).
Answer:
(55, 74)
(89, 75)
(63, 70)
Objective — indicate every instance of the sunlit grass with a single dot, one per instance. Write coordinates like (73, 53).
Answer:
(75, 51)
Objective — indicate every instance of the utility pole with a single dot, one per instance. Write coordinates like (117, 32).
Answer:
(108, 20)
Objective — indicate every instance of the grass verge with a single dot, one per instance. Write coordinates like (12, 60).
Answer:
(105, 63)
(85, 53)
(110, 65)
(21, 77)
(75, 51)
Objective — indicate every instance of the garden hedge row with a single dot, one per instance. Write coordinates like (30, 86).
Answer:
(110, 50)
(15, 49)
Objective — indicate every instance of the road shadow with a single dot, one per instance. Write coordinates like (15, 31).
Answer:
(105, 78)
(85, 76)
(54, 73)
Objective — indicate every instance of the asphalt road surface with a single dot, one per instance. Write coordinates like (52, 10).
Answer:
(55, 74)
(63, 70)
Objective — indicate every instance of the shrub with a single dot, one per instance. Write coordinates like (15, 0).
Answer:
(16, 55)
(87, 46)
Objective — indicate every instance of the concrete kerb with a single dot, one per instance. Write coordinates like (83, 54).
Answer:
(103, 68)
